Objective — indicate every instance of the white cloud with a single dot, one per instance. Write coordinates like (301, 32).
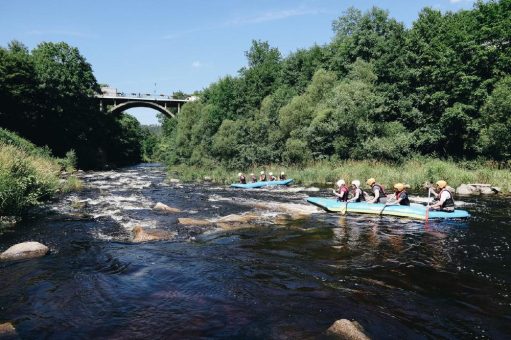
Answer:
(457, 1)
(197, 64)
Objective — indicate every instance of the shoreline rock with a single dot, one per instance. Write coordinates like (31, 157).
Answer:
(24, 250)
(477, 189)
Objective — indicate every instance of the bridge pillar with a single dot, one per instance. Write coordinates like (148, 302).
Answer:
(101, 105)
(178, 107)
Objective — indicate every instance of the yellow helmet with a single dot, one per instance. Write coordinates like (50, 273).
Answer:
(441, 184)
(371, 181)
(399, 186)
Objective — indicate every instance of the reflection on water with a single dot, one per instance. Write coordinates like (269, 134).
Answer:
(396, 277)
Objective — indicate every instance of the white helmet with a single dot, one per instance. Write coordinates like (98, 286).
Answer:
(270, 173)
(340, 182)
(262, 172)
(239, 175)
(252, 174)
(282, 173)
(356, 183)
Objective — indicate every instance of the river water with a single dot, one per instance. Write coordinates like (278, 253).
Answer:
(398, 278)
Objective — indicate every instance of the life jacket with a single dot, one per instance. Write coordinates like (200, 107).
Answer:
(243, 180)
(448, 203)
(361, 197)
(282, 177)
(404, 201)
(343, 191)
(273, 178)
(380, 189)
(262, 178)
(254, 179)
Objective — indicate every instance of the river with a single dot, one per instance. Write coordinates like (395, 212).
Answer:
(398, 278)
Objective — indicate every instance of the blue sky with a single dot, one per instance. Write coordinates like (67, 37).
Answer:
(164, 46)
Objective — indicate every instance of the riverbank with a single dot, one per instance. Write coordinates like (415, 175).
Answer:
(413, 172)
(29, 174)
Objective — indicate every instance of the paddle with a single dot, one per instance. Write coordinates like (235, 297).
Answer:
(384, 206)
(427, 206)
(343, 212)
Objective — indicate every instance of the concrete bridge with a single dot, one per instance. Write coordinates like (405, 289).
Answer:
(117, 102)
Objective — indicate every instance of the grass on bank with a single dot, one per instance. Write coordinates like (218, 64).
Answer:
(413, 172)
(29, 175)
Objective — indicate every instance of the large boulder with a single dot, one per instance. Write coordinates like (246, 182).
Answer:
(145, 235)
(25, 250)
(7, 331)
(165, 208)
(347, 330)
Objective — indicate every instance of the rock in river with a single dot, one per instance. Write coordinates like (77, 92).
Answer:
(144, 235)
(347, 330)
(165, 208)
(233, 218)
(25, 250)
(7, 331)
(193, 221)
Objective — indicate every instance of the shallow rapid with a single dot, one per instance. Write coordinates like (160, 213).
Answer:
(398, 278)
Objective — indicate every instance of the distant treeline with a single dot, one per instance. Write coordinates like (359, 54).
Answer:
(46, 97)
(378, 91)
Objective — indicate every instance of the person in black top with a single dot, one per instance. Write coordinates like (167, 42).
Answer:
(378, 192)
(242, 178)
(401, 195)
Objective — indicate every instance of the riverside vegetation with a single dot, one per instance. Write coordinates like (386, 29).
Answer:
(379, 100)
(29, 175)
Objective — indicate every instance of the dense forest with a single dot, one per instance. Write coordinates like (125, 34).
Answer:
(378, 90)
(46, 96)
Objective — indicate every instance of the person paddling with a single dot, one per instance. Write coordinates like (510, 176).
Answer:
(272, 178)
(253, 178)
(378, 192)
(401, 195)
(242, 178)
(282, 176)
(443, 197)
(262, 177)
(358, 194)
(342, 192)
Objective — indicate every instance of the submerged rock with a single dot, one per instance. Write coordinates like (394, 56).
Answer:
(288, 218)
(25, 250)
(207, 179)
(144, 235)
(163, 207)
(192, 221)
(7, 331)
(347, 330)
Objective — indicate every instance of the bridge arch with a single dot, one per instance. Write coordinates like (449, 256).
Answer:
(132, 104)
